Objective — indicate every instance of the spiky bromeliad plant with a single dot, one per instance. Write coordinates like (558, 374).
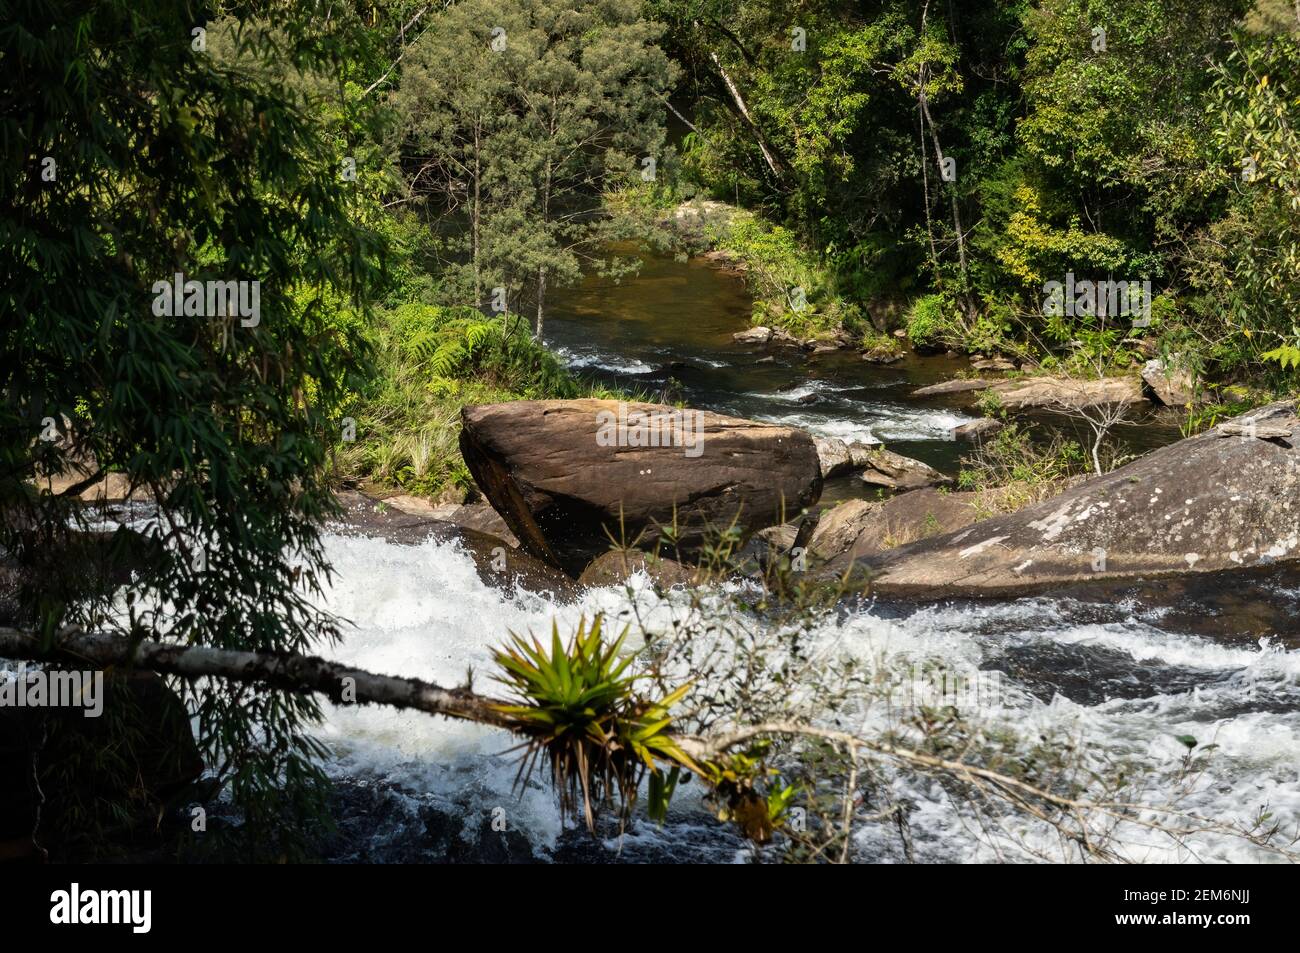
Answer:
(581, 715)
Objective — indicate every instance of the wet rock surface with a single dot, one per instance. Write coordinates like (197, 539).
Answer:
(615, 567)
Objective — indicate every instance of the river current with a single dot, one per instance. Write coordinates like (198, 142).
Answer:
(1125, 677)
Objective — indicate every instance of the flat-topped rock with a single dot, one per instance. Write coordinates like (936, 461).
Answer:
(1047, 393)
(1066, 393)
(567, 475)
(956, 386)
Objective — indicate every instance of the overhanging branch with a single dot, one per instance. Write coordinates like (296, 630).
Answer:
(300, 673)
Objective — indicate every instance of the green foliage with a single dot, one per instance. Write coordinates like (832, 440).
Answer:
(792, 290)
(581, 715)
(1114, 158)
(432, 360)
(169, 160)
(526, 138)
(1225, 406)
(749, 793)
(1246, 264)
(1024, 470)
(934, 321)
(1286, 356)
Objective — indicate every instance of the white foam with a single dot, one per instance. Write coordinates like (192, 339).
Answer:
(581, 360)
(423, 611)
(875, 423)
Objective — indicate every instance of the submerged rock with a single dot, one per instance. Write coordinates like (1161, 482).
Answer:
(1223, 500)
(568, 474)
(479, 517)
(984, 426)
(897, 472)
(882, 355)
(618, 565)
(756, 335)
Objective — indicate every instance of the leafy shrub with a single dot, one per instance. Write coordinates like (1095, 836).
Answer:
(933, 322)
(1027, 471)
(433, 360)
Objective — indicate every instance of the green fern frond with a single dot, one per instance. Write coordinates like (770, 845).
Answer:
(1286, 356)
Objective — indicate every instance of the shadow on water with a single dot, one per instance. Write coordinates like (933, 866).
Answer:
(1120, 632)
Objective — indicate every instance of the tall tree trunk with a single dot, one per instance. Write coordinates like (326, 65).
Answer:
(925, 187)
(770, 155)
(952, 190)
(541, 269)
(475, 212)
(541, 298)
(923, 100)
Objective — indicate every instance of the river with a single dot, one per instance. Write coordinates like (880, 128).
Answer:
(1122, 676)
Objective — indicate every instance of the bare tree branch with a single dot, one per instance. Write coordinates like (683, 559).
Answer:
(301, 673)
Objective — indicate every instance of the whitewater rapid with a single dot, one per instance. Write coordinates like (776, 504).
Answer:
(845, 409)
(1121, 686)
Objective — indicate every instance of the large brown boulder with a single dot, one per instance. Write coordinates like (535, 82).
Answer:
(1226, 499)
(566, 475)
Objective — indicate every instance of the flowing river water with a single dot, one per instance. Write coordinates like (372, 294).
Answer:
(1122, 676)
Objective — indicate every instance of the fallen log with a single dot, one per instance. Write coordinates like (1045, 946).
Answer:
(293, 672)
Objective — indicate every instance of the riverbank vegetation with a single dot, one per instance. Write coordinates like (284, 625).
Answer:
(868, 170)
(943, 163)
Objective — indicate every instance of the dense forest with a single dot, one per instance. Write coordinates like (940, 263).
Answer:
(255, 254)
